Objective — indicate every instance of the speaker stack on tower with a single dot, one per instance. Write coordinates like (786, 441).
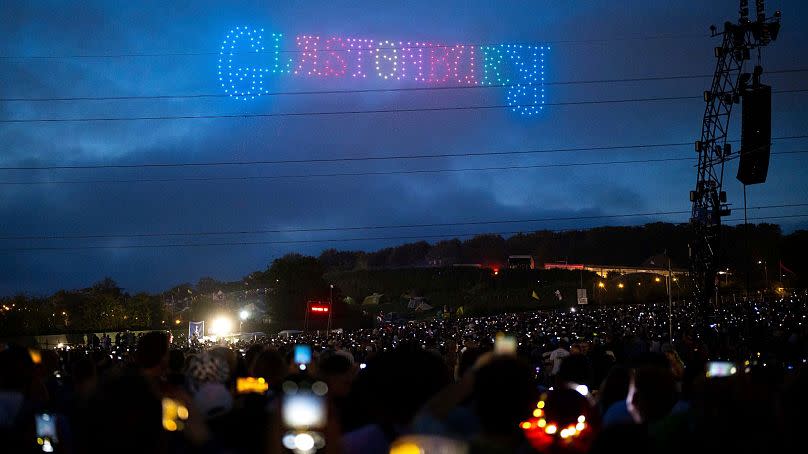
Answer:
(756, 134)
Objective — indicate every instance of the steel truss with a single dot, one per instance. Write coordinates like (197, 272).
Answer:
(709, 201)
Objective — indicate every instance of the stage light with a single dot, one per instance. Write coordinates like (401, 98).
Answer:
(221, 326)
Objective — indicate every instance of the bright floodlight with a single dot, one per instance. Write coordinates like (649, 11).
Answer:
(221, 326)
(244, 314)
(582, 389)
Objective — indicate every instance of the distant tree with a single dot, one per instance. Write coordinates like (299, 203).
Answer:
(485, 249)
(361, 261)
(208, 285)
(295, 278)
(446, 252)
(408, 255)
(25, 315)
(146, 310)
(793, 249)
(180, 291)
(379, 259)
(298, 278)
(257, 279)
(520, 244)
(98, 310)
(334, 260)
(107, 286)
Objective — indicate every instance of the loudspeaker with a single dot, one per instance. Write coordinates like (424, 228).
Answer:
(756, 135)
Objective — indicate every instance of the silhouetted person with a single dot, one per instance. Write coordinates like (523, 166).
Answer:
(152, 354)
(394, 387)
(651, 394)
(504, 395)
(124, 417)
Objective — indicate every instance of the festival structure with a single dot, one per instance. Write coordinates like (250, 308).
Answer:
(730, 85)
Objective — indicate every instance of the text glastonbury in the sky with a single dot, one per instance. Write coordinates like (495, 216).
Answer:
(519, 68)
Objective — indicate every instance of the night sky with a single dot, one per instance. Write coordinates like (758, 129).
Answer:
(147, 49)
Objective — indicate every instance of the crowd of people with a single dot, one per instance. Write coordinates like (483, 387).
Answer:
(595, 379)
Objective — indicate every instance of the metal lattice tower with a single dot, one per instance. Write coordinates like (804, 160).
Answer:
(729, 81)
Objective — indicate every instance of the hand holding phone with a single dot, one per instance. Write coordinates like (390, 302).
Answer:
(719, 369)
(246, 385)
(46, 436)
(504, 344)
(303, 410)
(175, 414)
(304, 417)
(302, 356)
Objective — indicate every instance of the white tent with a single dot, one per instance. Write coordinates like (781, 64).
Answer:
(372, 299)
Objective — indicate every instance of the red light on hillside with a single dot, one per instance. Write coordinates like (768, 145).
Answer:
(496, 271)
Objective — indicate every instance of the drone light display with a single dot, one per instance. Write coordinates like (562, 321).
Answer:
(518, 68)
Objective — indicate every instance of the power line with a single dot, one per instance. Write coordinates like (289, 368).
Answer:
(357, 112)
(331, 229)
(355, 174)
(361, 158)
(343, 159)
(372, 227)
(294, 51)
(380, 90)
(787, 216)
(271, 242)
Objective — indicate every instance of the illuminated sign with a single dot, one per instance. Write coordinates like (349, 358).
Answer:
(517, 67)
(320, 309)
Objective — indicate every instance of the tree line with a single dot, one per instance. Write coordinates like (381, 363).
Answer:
(752, 253)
